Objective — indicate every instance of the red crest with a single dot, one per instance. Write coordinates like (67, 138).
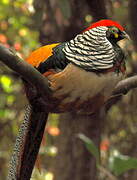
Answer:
(105, 22)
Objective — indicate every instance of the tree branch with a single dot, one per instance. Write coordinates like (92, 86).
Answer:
(122, 88)
(126, 85)
(28, 72)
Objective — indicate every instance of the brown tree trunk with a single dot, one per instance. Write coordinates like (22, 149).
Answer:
(132, 175)
(73, 160)
(133, 20)
(97, 9)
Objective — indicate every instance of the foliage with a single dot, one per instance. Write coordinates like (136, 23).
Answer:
(90, 147)
(16, 21)
(118, 164)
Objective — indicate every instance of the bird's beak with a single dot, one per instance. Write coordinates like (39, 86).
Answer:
(124, 35)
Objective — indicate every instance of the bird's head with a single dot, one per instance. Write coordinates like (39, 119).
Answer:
(96, 49)
(115, 31)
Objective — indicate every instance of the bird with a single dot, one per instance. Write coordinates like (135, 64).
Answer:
(82, 74)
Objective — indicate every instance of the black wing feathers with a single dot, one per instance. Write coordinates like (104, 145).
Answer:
(56, 61)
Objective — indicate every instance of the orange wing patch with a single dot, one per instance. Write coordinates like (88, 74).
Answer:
(40, 54)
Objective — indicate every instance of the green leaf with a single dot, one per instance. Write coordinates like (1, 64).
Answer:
(10, 99)
(5, 1)
(6, 113)
(90, 146)
(65, 8)
(6, 83)
(120, 164)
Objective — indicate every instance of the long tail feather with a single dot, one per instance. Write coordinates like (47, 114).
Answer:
(27, 145)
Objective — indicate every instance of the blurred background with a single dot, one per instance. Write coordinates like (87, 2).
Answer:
(26, 25)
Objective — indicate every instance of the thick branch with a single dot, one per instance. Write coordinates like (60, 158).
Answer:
(28, 72)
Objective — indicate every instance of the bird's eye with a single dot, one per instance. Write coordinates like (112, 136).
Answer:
(113, 34)
(114, 31)
(116, 35)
